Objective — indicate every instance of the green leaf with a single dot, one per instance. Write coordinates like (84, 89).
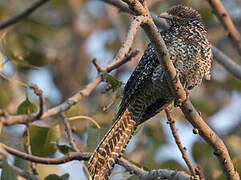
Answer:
(52, 177)
(26, 107)
(113, 83)
(8, 172)
(42, 140)
(94, 137)
(65, 176)
(56, 177)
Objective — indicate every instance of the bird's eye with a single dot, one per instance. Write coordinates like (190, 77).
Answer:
(181, 14)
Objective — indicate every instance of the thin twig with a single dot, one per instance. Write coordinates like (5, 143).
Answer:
(228, 63)
(183, 150)
(68, 157)
(39, 93)
(23, 14)
(126, 46)
(97, 65)
(29, 150)
(228, 25)
(121, 6)
(69, 132)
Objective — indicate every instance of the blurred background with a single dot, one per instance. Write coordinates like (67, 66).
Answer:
(53, 49)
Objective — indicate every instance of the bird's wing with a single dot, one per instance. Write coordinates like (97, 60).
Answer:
(139, 77)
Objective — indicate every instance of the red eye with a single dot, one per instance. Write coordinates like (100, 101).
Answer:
(181, 14)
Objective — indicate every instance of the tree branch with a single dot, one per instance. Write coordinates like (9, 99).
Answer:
(165, 174)
(69, 157)
(228, 25)
(69, 132)
(24, 14)
(39, 93)
(8, 119)
(212, 139)
(176, 175)
(183, 150)
(228, 63)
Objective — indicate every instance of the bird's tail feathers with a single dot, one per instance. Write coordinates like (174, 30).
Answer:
(111, 147)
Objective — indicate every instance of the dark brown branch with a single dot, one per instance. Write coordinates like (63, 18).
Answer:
(227, 63)
(228, 25)
(24, 14)
(120, 5)
(69, 157)
(183, 150)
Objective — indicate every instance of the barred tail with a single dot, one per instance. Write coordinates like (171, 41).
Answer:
(111, 147)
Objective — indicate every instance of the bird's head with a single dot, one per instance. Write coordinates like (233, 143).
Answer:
(181, 15)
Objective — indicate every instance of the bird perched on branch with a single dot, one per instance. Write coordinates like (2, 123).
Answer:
(147, 92)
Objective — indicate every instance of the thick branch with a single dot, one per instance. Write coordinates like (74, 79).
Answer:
(23, 14)
(212, 139)
(165, 174)
(223, 16)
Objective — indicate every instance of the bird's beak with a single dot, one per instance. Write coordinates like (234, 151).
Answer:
(165, 16)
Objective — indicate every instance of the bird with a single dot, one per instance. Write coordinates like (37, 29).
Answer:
(146, 93)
